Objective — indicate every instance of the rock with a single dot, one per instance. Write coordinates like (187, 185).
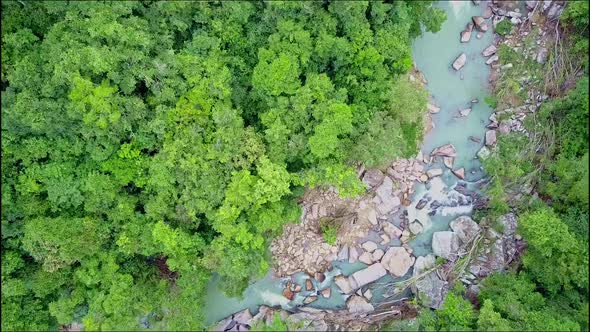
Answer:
(297, 289)
(288, 293)
(366, 258)
(483, 153)
(369, 246)
(344, 284)
(530, 4)
(423, 263)
(445, 244)
(343, 254)
(479, 35)
(377, 254)
(392, 231)
(447, 150)
(423, 178)
(385, 240)
(416, 228)
(366, 276)
(422, 203)
(513, 14)
(368, 294)
(405, 235)
(492, 59)
(353, 255)
(459, 173)
(448, 161)
(474, 101)
(460, 61)
(542, 55)
(384, 191)
(358, 305)
(308, 285)
(480, 23)
(465, 228)
(554, 12)
(488, 12)
(464, 112)
(310, 299)
(465, 36)
(326, 293)
(237, 322)
(397, 261)
(506, 66)
(373, 178)
(433, 109)
(475, 139)
(434, 172)
(368, 215)
(320, 277)
(490, 50)
(490, 137)
(431, 290)
(387, 206)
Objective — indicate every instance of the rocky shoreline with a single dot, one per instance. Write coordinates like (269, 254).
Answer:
(376, 230)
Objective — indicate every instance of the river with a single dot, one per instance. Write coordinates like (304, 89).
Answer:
(433, 54)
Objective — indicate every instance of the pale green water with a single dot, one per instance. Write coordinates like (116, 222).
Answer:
(433, 54)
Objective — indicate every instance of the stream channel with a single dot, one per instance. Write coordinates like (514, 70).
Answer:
(433, 55)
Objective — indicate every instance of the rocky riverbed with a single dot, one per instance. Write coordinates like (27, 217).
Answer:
(378, 230)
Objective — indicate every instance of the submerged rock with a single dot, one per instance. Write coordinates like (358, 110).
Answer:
(397, 261)
(445, 244)
(460, 61)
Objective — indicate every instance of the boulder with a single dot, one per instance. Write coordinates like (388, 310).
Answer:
(490, 50)
(422, 203)
(384, 191)
(480, 23)
(460, 61)
(433, 109)
(392, 231)
(492, 59)
(434, 172)
(487, 13)
(359, 305)
(373, 178)
(366, 258)
(368, 215)
(490, 137)
(423, 263)
(343, 254)
(237, 322)
(377, 254)
(431, 290)
(310, 299)
(445, 244)
(368, 294)
(459, 173)
(369, 246)
(483, 153)
(366, 276)
(542, 55)
(388, 205)
(447, 150)
(385, 240)
(308, 285)
(320, 277)
(465, 228)
(353, 255)
(464, 112)
(344, 284)
(465, 36)
(397, 261)
(423, 178)
(288, 293)
(326, 293)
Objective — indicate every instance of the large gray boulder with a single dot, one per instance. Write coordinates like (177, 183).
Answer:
(397, 261)
(344, 284)
(239, 321)
(445, 244)
(423, 263)
(373, 177)
(447, 150)
(460, 61)
(367, 276)
(431, 290)
(358, 305)
(367, 215)
(465, 228)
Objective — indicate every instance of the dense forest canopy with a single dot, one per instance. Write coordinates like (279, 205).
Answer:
(146, 145)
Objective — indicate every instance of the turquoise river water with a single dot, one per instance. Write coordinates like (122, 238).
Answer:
(433, 55)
